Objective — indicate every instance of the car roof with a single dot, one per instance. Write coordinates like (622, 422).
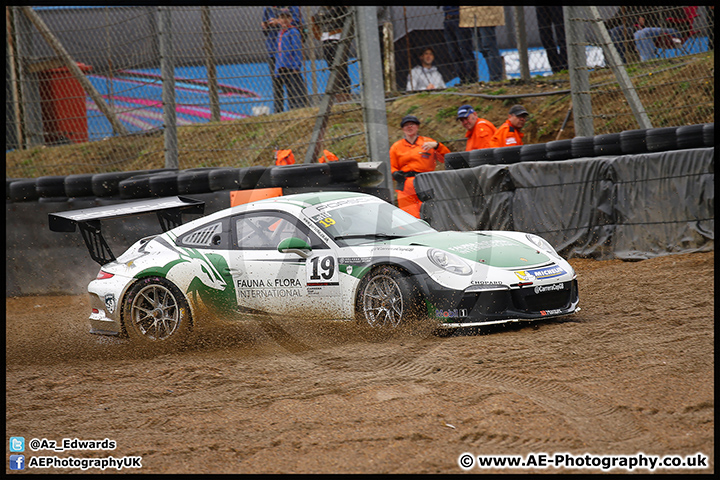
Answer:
(313, 198)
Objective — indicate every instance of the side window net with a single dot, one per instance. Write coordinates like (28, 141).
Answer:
(202, 237)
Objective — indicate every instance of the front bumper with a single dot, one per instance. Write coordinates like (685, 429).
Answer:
(486, 307)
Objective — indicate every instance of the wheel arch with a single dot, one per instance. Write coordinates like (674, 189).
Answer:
(416, 273)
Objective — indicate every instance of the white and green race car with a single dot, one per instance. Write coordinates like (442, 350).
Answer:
(329, 255)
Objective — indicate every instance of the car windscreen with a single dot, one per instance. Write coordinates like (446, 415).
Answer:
(355, 221)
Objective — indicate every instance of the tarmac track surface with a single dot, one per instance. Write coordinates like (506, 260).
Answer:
(632, 372)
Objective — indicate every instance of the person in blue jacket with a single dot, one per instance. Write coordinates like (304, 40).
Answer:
(289, 62)
(271, 28)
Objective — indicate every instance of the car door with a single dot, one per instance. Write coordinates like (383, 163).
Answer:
(270, 281)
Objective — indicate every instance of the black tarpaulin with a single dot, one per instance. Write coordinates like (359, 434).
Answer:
(629, 206)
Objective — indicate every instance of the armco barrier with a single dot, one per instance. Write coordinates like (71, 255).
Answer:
(627, 206)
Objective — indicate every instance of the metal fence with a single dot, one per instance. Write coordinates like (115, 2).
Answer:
(616, 61)
(85, 74)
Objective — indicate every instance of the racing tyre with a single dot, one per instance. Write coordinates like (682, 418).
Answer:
(224, 179)
(155, 312)
(344, 171)
(607, 144)
(535, 152)
(135, 187)
(559, 149)
(484, 156)
(709, 134)
(690, 136)
(300, 175)
(633, 141)
(163, 184)
(456, 160)
(79, 185)
(24, 190)
(506, 155)
(661, 139)
(51, 186)
(582, 147)
(256, 176)
(387, 298)
(108, 184)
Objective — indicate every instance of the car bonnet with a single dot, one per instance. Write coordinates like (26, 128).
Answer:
(489, 249)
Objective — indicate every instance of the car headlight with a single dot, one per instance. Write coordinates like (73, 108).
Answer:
(450, 262)
(542, 244)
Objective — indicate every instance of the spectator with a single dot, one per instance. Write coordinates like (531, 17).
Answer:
(479, 131)
(643, 24)
(409, 156)
(425, 76)
(289, 62)
(485, 19)
(270, 28)
(655, 25)
(459, 44)
(509, 133)
(551, 25)
(327, 27)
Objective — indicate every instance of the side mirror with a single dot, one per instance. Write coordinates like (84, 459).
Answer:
(295, 245)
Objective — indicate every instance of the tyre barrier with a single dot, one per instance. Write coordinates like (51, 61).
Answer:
(79, 185)
(559, 150)
(340, 174)
(300, 175)
(224, 179)
(506, 155)
(533, 152)
(51, 186)
(455, 161)
(689, 136)
(193, 181)
(582, 147)
(607, 144)
(480, 157)
(164, 184)
(661, 139)
(344, 171)
(649, 140)
(633, 141)
(709, 135)
(24, 190)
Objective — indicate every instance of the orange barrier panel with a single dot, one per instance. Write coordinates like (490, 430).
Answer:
(241, 197)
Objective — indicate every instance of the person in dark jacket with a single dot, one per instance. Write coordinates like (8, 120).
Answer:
(551, 25)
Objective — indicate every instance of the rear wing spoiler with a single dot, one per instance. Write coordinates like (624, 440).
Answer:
(169, 211)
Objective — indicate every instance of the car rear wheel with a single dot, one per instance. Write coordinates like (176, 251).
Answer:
(387, 298)
(156, 312)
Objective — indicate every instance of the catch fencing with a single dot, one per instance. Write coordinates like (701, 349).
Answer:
(111, 73)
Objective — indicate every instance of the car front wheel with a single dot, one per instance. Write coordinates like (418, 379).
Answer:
(156, 312)
(387, 298)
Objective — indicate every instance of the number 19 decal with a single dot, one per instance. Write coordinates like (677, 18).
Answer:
(322, 270)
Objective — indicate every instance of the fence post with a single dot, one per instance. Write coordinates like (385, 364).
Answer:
(326, 103)
(521, 35)
(373, 97)
(579, 78)
(167, 71)
(209, 50)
